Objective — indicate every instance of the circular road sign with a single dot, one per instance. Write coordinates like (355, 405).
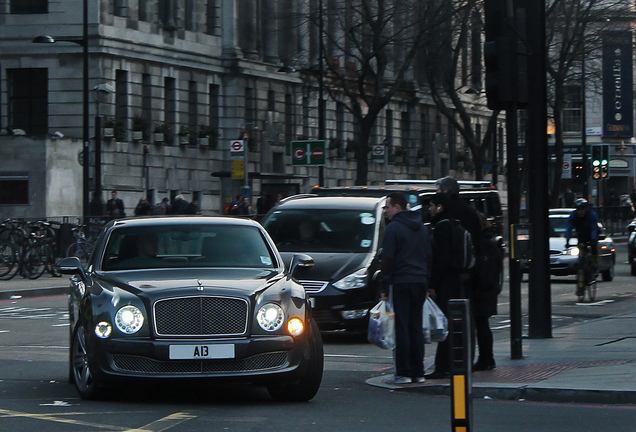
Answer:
(236, 146)
(566, 165)
(378, 150)
(299, 153)
(318, 153)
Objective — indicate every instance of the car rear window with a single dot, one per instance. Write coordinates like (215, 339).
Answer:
(186, 246)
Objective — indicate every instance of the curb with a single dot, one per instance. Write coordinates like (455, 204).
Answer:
(517, 392)
(34, 292)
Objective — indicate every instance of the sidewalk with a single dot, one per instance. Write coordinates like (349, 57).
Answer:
(22, 287)
(587, 362)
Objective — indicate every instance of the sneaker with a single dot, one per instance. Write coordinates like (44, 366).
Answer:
(419, 379)
(399, 380)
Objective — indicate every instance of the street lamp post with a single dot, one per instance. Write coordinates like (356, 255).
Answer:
(83, 42)
(320, 79)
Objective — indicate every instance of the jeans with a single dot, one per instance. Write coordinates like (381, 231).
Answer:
(408, 300)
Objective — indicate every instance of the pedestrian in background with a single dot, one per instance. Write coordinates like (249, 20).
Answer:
(115, 206)
(143, 207)
(180, 206)
(486, 290)
(406, 255)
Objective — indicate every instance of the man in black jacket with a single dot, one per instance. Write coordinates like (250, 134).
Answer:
(406, 257)
(450, 206)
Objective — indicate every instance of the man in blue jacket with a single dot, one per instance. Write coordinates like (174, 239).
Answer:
(406, 256)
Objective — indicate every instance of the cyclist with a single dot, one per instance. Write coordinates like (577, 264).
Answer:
(585, 221)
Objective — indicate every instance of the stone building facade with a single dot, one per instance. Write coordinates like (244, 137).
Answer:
(200, 73)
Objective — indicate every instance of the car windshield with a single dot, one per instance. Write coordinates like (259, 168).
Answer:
(186, 246)
(557, 227)
(321, 230)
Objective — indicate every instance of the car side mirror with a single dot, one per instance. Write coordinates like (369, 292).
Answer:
(71, 266)
(300, 261)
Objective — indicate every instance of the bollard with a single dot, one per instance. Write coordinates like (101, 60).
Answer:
(460, 331)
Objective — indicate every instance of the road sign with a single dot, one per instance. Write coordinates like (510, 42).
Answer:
(237, 147)
(308, 152)
(566, 172)
(377, 152)
(237, 169)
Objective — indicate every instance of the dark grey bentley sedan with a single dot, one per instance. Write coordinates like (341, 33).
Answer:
(191, 298)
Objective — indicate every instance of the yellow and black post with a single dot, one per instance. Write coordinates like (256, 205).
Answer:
(460, 330)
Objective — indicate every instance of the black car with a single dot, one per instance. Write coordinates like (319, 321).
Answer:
(205, 299)
(343, 234)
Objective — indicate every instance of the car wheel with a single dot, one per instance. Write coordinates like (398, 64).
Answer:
(608, 275)
(82, 377)
(305, 387)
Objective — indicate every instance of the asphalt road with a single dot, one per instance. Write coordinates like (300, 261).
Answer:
(35, 394)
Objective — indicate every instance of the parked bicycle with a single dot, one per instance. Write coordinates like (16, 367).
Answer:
(586, 273)
(81, 248)
(27, 249)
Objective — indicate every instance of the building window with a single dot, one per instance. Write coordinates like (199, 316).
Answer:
(170, 106)
(146, 99)
(29, 6)
(250, 110)
(121, 8)
(212, 18)
(190, 15)
(14, 188)
(121, 104)
(28, 100)
(168, 13)
(144, 12)
(572, 108)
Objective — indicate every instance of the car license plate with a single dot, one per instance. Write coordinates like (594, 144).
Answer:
(214, 351)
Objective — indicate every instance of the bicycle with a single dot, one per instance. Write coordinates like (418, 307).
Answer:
(586, 273)
(81, 248)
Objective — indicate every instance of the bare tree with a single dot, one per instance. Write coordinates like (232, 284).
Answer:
(369, 49)
(573, 35)
(452, 66)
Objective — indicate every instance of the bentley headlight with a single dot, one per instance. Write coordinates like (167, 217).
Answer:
(354, 280)
(129, 319)
(270, 317)
(573, 251)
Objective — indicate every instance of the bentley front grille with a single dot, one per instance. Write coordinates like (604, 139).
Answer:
(201, 316)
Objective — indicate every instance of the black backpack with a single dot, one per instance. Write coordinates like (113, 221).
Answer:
(460, 250)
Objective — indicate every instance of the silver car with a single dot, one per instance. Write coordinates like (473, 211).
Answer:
(564, 261)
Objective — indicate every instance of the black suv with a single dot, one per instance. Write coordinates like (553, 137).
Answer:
(343, 234)
(479, 194)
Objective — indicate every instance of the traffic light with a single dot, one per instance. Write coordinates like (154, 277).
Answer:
(506, 75)
(604, 161)
(596, 162)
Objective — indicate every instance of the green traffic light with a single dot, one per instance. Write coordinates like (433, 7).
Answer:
(596, 163)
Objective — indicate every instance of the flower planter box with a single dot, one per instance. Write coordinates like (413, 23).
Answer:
(158, 137)
(109, 132)
(137, 135)
(184, 139)
(204, 142)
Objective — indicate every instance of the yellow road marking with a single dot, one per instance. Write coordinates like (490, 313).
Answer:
(165, 423)
(55, 418)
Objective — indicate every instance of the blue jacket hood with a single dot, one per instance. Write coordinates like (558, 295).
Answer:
(412, 219)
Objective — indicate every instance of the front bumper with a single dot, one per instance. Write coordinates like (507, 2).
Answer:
(255, 359)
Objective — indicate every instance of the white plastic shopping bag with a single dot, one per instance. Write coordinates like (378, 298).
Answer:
(434, 322)
(382, 325)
